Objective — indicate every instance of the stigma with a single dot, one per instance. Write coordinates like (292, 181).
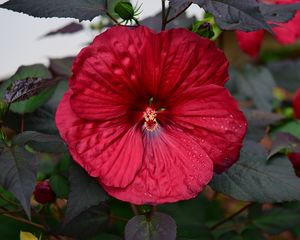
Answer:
(150, 123)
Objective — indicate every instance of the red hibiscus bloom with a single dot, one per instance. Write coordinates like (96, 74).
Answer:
(285, 33)
(296, 104)
(148, 116)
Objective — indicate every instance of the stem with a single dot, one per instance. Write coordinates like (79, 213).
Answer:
(230, 217)
(112, 18)
(41, 219)
(163, 15)
(178, 14)
(9, 201)
(134, 209)
(19, 219)
(119, 218)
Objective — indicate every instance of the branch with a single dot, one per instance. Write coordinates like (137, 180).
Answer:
(178, 14)
(230, 217)
(112, 18)
(163, 15)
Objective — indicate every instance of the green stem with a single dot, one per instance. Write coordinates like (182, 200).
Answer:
(112, 18)
(230, 217)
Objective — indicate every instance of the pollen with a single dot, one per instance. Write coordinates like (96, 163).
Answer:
(150, 123)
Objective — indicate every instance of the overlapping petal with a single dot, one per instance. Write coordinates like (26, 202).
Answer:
(104, 149)
(250, 42)
(212, 115)
(175, 167)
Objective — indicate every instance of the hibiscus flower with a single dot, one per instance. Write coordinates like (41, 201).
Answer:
(148, 116)
(285, 33)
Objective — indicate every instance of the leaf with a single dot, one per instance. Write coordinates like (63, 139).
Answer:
(278, 12)
(41, 142)
(278, 220)
(42, 120)
(62, 66)
(23, 89)
(159, 227)
(251, 234)
(27, 236)
(59, 185)
(284, 141)
(85, 192)
(254, 178)
(256, 83)
(87, 224)
(258, 122)
(72, 27)
(80, 9)
(235, 14)
(32, 71)
(194, 232)
(291, 127)
(154, 22)
(18, 173)
(286, 73)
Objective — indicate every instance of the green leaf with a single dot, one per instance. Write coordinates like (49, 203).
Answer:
(254, 178)
(159, 227)
(59, 185)
(278, 220)
(29, 105)
(194, 232)
(87, 224)
(252, 234)
(18, 173)
(85, 192)
(232, 235)
(80, 9)
(10, 229)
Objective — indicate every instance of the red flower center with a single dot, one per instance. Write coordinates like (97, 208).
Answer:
(150, 123)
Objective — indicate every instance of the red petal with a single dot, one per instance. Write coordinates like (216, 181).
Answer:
(97, 146)
(174, 168)
(176, 59)
(107, 77)
(212, 114)
(250, 42)
(288, 33)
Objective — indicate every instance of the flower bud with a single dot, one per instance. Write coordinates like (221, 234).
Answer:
(124, 10)
(43, 193)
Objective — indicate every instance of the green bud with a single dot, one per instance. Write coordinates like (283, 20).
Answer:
(207, 27)
(125, 10)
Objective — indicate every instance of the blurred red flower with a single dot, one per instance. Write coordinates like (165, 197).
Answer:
(148, 116)
(295, 160)
(285, 33)
(43, 193)
(296, 104)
